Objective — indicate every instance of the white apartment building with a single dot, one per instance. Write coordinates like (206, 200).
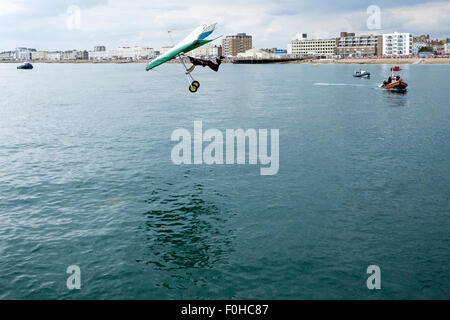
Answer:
(397, 44)
(130, 53)
(54, 55)
(206, 51)
(417, 46)
(289, 48)
(447, 48)
(23, 53)
(311, 47)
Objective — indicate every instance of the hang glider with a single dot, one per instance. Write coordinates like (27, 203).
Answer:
(196, 39)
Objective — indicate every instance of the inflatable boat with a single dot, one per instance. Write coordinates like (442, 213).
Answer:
(25, 66)
(395, 83)
(362, 74)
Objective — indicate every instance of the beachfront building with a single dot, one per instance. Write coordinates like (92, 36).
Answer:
(7, 55)
(123, 53)
(447, 48)
(348, 44)
(417, 46)
(438, 46)
(301, 46)
(54, 55)
(23, 53)
(82, 55)
(69, 55)
(420, 42)
(165, 49)
(397, 44)
(234, 44)
(298, 36)
(422, 38)
(39, 55)
(208, 50)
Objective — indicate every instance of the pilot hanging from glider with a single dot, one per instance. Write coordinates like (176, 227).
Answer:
(212, 64)
(196, 39)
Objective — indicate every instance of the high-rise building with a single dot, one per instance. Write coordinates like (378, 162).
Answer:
(397, 44)
(234, 44)
(366, 45)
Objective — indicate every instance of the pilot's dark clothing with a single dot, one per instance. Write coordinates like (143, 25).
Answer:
(201, 62)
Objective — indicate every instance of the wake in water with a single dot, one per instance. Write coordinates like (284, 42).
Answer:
(339, 84)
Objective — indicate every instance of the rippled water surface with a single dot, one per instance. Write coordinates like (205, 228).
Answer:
(86, 179)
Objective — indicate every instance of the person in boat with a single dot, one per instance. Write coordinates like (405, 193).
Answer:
(212, 64)
(390, 79)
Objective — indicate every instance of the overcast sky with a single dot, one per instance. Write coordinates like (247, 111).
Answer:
(51, 25)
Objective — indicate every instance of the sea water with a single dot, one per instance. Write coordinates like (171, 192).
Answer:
(86, 179)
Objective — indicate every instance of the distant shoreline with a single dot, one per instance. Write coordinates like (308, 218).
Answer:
(390, 61)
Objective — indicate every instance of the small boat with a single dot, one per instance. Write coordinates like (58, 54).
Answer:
(362, 74)
(394, 83)
(25, 66)
(396, 68)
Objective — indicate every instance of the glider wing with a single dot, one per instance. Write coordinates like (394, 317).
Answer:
(194, 40)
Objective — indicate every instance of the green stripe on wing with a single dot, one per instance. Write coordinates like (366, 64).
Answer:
(171, 55)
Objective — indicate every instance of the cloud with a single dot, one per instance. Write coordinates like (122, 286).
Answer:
(43, 23)
(8, 7)
(423, 18)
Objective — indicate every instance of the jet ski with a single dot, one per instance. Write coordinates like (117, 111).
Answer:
(25, 66)
(362, 74)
